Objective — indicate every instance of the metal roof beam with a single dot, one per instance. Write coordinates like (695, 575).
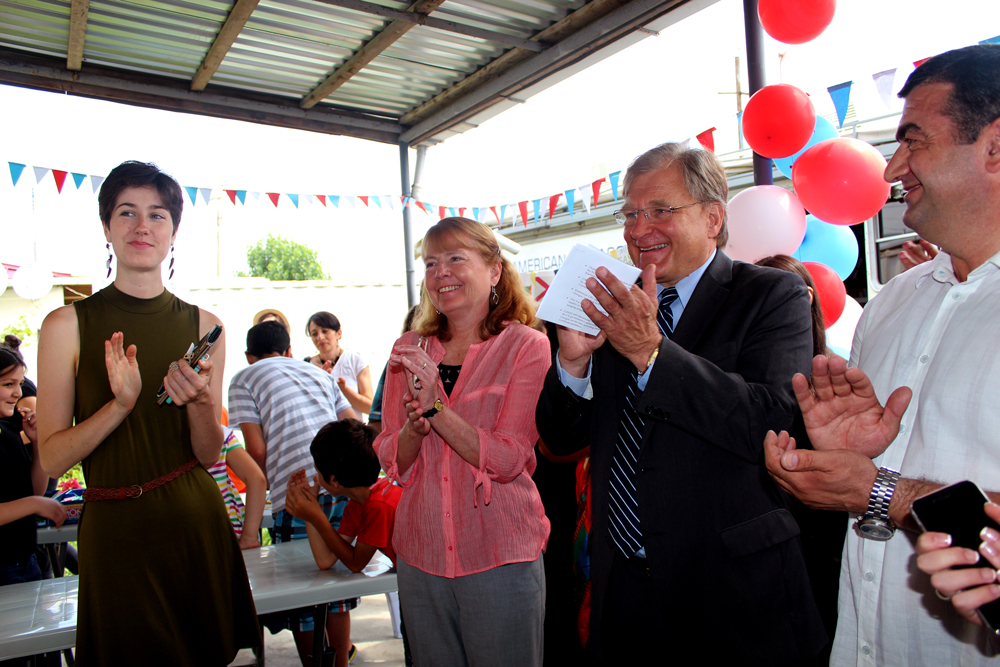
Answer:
(573, 48)
(78, 11)
(367, 53)
(173, 95)
(554, 33)
(440, 24)
(224, 41)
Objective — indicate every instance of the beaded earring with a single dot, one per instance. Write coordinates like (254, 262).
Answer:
(109, 260)
(171, 267)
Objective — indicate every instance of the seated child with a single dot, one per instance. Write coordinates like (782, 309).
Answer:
(348, 466)
(245, 520)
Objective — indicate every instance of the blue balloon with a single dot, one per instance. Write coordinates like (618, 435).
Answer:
(833, 245)
(824, 130)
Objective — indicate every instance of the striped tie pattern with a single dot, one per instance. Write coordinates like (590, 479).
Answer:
(624, 507)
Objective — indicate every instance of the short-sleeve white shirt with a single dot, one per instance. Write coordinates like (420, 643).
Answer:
(938, 336)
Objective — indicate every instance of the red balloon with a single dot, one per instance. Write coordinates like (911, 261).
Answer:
(778, 120)
(830, 291)
(840, 181)
(795, 21)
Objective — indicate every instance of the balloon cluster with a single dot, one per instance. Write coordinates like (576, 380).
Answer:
(838, 180)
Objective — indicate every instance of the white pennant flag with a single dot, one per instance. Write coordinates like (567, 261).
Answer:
(584, 193)
(40, 173)
(350, 200)
(206, 194)
(390, 200)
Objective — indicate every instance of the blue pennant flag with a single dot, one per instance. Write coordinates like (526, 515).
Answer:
(192, 193)
(570, 200)
(335, 200)
(453, 211)
(242, 196)
(991, 40)
(78, 179)
(475, 214)
(294, 198)
(503, 213)
(375, 198)
(613, 178)
(537, 206)
(841, 96)
(15, 171)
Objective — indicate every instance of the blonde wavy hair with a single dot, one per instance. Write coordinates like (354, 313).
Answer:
(513, 305)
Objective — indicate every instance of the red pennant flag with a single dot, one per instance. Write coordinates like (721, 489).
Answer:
(274, 197)
(523, 208)
(364, 199)
(553, 202)
(441, 210)
(596, 185)
(322, 199)
(495, 214)
(420, 205)
(461, 211)
(918, 63)
(707, 139)
(232, 196)
(60, 177)
(545, 288)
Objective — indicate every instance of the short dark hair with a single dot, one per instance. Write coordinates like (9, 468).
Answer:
(344, 450)
(10, 358)
(324, 319)
(133, 174)
(974, 73)
(266, 338)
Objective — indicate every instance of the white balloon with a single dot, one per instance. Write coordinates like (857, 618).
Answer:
(32, 281)
(765, 220)
(840, 334)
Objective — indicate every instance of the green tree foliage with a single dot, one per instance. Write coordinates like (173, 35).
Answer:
(21, 329)
(277, 258)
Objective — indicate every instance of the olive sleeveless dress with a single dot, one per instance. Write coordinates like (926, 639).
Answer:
(162, 579)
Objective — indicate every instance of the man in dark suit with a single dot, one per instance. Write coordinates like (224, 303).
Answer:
(693, 552)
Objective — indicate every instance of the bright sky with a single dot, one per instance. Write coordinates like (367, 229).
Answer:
(663, 88)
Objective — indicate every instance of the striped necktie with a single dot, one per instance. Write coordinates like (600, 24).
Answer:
(624, 508)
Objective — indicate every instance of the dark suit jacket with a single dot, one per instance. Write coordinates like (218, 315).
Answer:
(724, 556)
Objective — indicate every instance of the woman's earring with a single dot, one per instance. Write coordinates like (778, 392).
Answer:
(494, 297)
(109, 260)
(171, 267)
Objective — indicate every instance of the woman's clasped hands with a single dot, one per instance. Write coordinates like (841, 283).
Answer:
(421, 381)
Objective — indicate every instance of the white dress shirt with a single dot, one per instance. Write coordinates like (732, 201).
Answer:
(938, 336)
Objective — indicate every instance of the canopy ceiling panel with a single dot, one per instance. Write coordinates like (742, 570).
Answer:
(387, 71)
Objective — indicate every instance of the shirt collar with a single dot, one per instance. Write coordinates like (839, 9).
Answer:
(942, 270)
(685, 286)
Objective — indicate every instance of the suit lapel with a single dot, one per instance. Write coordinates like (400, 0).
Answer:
(706, 300)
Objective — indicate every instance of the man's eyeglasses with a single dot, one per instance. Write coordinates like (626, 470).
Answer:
(654, 214)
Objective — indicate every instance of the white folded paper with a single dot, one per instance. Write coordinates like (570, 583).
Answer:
(561, 304)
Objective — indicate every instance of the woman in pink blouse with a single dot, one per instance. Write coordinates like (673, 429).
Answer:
(459, 417)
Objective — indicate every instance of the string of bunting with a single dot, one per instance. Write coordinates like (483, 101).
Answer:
(587, 194)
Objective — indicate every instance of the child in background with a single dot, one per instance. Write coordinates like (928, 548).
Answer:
(348, 466)
(245, 520)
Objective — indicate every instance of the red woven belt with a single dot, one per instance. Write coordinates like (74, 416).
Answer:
(127, 492)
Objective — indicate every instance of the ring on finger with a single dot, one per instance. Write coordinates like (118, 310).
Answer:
(946, 598)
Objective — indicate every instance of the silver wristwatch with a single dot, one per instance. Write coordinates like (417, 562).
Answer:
(875, 524)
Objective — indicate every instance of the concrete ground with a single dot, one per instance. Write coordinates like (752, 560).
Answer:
(371, 632)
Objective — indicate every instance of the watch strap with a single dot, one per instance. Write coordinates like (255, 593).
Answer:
(881, 494)
(436, 408)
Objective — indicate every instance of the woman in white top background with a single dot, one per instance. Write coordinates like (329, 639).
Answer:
(348, 366)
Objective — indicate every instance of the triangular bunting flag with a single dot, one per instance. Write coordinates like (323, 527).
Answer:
(274, 197)
(321, 199)
(242, 196)
(537, 207)
(596, 185)
(295, 199)
(461, 212)
(441, 215)
(206, 194)
(570, 202)
(232, 196)
(95, 182)
(883, 83)
(335, 200)
(421, 206)
(40, 173)
(582, 193)
(991, 40)
(475, 213)
(522, 206)
(78, 179)
(707, 139)
(918, 63)
(255, 196)
(15, 171)
(352, 200)
(388, 200)
(309, 199)
(192, 193)
(494, 209)
(377, 200)
(841, 96)
(60, 177)
(613, 179)
(364, 199)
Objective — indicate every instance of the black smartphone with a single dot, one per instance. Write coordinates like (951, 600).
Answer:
(958, 510)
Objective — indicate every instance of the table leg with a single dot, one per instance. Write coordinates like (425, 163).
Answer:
(319, 634)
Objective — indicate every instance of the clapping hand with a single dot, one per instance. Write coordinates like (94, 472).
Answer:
(123, 371)
(630, 324)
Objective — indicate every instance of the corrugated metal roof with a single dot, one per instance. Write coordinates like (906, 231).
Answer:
(286, 62)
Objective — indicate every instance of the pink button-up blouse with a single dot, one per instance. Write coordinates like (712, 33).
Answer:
(455, 519)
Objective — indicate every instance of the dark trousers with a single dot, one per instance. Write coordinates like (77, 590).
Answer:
(631, 625)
